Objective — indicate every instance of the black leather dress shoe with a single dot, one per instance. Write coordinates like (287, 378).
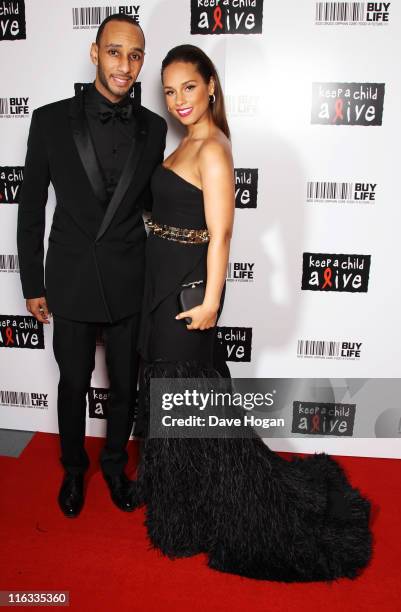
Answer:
(122, 491)
(71, 496)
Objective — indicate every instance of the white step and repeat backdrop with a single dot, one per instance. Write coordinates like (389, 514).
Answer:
(313, 93)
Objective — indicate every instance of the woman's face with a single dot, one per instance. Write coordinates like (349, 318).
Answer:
(186, 93)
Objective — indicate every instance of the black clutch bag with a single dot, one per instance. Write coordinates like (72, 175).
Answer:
(191, 295)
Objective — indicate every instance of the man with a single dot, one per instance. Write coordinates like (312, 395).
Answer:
(99, 150)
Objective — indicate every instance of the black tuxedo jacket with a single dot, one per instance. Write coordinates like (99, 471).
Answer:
(95, 260)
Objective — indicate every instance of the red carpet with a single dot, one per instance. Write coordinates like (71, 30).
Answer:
(104, 558)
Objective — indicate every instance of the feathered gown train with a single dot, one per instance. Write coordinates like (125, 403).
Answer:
(252, 512)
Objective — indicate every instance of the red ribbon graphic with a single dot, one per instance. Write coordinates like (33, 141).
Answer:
(9, 336)
(339, 109)
(327, 277)
(217, 13)
(315, 423)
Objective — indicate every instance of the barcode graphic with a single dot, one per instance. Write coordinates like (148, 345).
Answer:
(318, 348)
(323, 190)
(341, 11)
(9, 263)
(15, 398)
(4, 108)
(92, 15)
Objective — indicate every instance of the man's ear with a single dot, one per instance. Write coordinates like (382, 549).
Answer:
(94, 53)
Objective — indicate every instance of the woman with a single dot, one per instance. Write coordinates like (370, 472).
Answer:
(254, 513)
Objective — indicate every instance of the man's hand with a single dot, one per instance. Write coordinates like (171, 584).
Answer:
(38, 307)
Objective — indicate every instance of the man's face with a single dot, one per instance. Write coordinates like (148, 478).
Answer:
(119, 58)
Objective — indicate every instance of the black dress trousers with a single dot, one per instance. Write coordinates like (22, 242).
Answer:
(74, 344)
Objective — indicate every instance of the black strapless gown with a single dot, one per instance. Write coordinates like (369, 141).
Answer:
(251, 511)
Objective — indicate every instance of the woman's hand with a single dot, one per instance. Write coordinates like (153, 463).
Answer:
(203, 317)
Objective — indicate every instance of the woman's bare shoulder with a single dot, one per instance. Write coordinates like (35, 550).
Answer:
(216, 148)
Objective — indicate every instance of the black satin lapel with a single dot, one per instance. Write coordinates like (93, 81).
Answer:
(87, 153)
(127, 175)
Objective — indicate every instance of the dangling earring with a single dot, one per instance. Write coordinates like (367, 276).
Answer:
(212, 99)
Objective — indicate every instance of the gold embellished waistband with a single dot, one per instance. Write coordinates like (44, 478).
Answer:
(178, 234)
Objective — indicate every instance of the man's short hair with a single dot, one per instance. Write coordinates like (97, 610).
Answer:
(117, 17)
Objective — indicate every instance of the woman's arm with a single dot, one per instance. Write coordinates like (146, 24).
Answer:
(217, 177)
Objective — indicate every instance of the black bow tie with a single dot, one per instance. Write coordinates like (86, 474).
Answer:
(115, 111)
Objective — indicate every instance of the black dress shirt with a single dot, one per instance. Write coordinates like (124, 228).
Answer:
(112, 139)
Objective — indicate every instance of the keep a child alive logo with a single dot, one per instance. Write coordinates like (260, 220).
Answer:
(246, 187)
(335, 272)
(323, 418)
(347, 103)
(226, 16)
(12, 20)
(21, 332)
(98, 402)
(11, 178)
(236, 342)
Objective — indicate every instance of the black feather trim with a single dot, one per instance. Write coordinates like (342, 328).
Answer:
(254, 513)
